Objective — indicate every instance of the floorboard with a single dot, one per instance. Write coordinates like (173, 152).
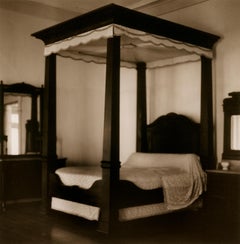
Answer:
(25, 223)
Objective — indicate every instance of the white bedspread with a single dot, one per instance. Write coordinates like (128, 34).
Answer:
(82, 176)
(148, 178)
(180, 175)
(144, 178)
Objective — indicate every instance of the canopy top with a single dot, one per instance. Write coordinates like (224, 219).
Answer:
(144, 38)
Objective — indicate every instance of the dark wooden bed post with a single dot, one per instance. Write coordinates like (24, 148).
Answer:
(141, 108)
(110, 163)
(206, 124)
(49, 111)
(49, 126)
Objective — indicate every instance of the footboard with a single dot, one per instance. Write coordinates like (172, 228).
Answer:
(128, 193)
(74, 193)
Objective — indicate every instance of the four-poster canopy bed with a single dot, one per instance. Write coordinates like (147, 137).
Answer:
(135, 40)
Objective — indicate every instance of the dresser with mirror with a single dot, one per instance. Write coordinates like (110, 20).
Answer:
(20, 143)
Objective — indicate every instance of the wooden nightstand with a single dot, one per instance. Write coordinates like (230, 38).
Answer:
(222, 199)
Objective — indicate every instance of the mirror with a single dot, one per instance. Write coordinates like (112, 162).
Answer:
(235, 132)
(21, 112)
(231, 107)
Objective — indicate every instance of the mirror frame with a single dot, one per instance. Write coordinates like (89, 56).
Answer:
(34, 93)
(231, 106)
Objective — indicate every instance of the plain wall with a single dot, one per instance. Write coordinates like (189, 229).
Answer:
(80, 111)
(175, 89)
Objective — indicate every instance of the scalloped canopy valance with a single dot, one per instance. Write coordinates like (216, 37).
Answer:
(144, 38)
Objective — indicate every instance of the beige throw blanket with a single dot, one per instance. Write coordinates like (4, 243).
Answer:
(180, 190)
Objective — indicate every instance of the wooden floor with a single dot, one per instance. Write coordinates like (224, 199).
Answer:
(24, 223)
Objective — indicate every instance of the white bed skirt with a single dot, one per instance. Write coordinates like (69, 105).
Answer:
(92, 213)
(74, 208)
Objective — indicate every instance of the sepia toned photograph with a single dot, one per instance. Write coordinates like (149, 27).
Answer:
(119, 121)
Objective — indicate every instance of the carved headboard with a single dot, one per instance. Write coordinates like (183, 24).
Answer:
(173, 133)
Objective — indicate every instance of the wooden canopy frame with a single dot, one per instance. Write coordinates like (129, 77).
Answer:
(113, 14)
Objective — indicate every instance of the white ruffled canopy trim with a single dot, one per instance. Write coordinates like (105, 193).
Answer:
(91, 47)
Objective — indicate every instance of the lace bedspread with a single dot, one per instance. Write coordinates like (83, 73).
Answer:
(183, 181)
